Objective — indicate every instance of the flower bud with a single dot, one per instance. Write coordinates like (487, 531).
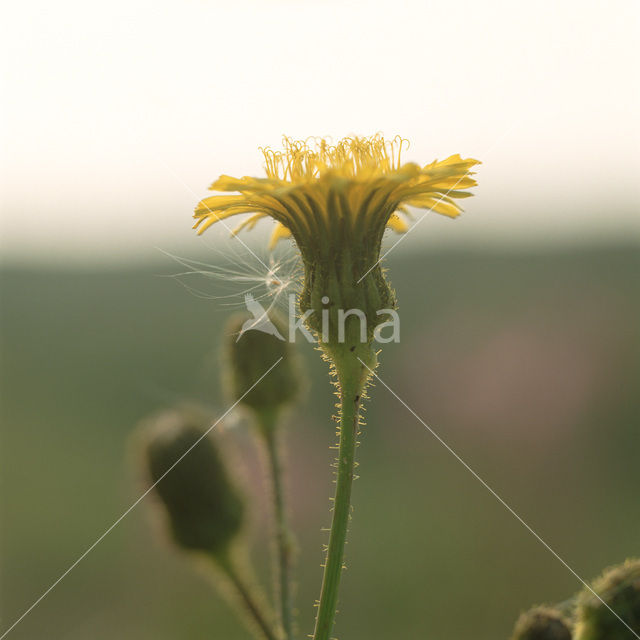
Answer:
(541, 623)
(252, 349)
(203, 509)
(619, 588)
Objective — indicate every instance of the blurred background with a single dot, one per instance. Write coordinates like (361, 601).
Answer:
(520, 334)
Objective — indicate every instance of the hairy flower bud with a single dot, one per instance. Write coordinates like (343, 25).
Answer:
(541, 623)
(254, 346)
(619, 588)
(204, 510)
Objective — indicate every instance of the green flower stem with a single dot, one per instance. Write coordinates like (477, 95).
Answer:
(268, 422)
(250, 600)
(352, 380)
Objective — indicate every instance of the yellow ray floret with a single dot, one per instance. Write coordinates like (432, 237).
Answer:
(314, 189)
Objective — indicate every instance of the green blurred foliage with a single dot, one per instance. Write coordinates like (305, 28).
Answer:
(527, 364)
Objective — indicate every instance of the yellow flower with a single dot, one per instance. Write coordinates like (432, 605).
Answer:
(316, 188)
(336, 202)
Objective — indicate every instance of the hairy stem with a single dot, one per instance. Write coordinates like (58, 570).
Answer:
(350, 380)
(284, 544)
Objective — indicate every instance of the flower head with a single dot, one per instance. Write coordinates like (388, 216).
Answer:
(336, 202)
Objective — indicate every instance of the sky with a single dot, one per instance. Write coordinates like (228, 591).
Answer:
(117, 116)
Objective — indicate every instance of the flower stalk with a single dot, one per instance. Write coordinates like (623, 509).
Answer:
(247, 596)
(352, 382)
(248, 352)
(268, 421)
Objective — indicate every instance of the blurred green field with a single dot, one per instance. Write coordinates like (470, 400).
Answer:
(526, 363)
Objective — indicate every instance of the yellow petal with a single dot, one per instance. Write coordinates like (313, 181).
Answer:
(446, 209)
(204, 223)
(456, 159)
(459, 194)
(437, 205)
(249, 223)
(213, 203)
(246, 183)
(396, 223)
(279, 233)
(454, 182)
(205, 220)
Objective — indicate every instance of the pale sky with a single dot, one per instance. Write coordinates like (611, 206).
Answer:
(117, 116)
